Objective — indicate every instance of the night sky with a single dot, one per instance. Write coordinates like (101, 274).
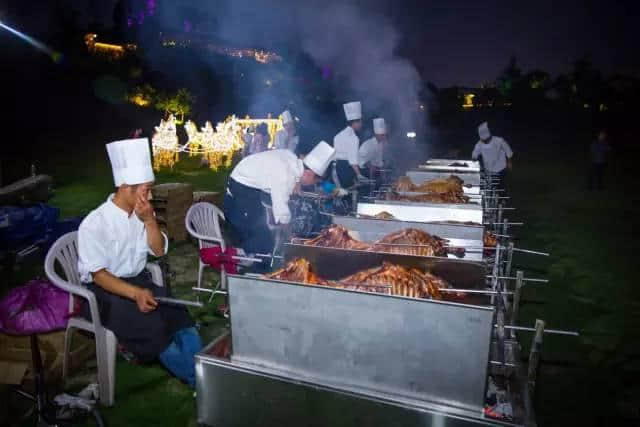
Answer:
(457, 42)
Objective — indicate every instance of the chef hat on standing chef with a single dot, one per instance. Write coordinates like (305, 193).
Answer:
(130, 161)
(379, 126)
(352, 110)
(483, 131)
(319, 158)
(286, 117)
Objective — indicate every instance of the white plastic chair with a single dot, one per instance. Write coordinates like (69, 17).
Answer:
(64, 252)
(203, 223)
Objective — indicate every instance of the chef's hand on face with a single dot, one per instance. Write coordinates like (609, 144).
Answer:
(145, 301)
(143, 209)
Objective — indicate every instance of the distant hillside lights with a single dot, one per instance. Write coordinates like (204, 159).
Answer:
(108, 50)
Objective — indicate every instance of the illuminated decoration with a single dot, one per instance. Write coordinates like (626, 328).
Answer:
(217, 146)
(468, 100)
(111, 51)
(411, 135)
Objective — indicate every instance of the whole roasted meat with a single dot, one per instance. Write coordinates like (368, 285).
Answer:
(430, 197)
(451, 184)
(403, 281)
(336, 236)
(410, 241)
(297, 270)
(388, 279)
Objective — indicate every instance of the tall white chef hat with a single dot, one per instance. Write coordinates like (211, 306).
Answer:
(352, 110)
(379, 126)
(483, 131)
(130, 161)
(319, 158)
(286, 117)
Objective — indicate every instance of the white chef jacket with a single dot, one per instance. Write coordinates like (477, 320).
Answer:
(283, 142)
(109, 238)
(275, 172)
(346, 144)
(370, 152)
(494, 154)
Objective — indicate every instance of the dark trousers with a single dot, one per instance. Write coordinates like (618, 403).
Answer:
(247, 219)
(146, 335)
(345, 172)
(596, 176)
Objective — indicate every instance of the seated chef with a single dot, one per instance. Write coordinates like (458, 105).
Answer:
(113, 243)
(270, 176)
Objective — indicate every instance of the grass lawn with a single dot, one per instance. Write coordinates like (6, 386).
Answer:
(591, 380)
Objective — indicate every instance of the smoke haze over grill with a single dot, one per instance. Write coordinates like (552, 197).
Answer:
(354, 40)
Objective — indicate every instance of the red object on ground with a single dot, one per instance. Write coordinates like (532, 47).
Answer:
(215, 258)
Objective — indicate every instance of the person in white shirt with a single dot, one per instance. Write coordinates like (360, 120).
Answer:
(347, 144)
(114, 241)
(370, 153)
(287, 138)
(495, 153)
(270, 176)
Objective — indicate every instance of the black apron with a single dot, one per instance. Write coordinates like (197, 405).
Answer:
(345, 172)
(146, 335)
(247, 218)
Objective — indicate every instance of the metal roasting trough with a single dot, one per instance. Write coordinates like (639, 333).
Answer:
(297, 350)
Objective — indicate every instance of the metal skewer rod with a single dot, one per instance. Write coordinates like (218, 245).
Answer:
(497, 362)
(527, 251)
(489, 276)
(475, 291)
(174, 301)
(546, 331)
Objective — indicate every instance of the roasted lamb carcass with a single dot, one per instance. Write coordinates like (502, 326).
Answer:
(430, 198)
(404, 184)
(451, 184)
(412, 241)
(297, 270)
(336, 236)
(403, 281)
(379, 215)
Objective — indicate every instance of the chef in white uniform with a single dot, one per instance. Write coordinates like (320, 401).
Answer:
(287, 138)
(270, 176)
(114, 241)
(347, 144)
(370, 153)
(495, 152)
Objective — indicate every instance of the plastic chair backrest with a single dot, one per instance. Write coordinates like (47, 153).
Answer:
(203, 221)
(65, 252)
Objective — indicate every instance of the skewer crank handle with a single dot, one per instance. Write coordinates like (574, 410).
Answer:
(175, 301)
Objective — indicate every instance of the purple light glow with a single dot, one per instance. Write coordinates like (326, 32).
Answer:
(151, 7)
(187, 26)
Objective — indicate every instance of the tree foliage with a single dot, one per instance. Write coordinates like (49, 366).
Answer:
(179, 103)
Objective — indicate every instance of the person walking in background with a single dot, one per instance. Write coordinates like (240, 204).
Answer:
(495, 152)
(599, 153)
